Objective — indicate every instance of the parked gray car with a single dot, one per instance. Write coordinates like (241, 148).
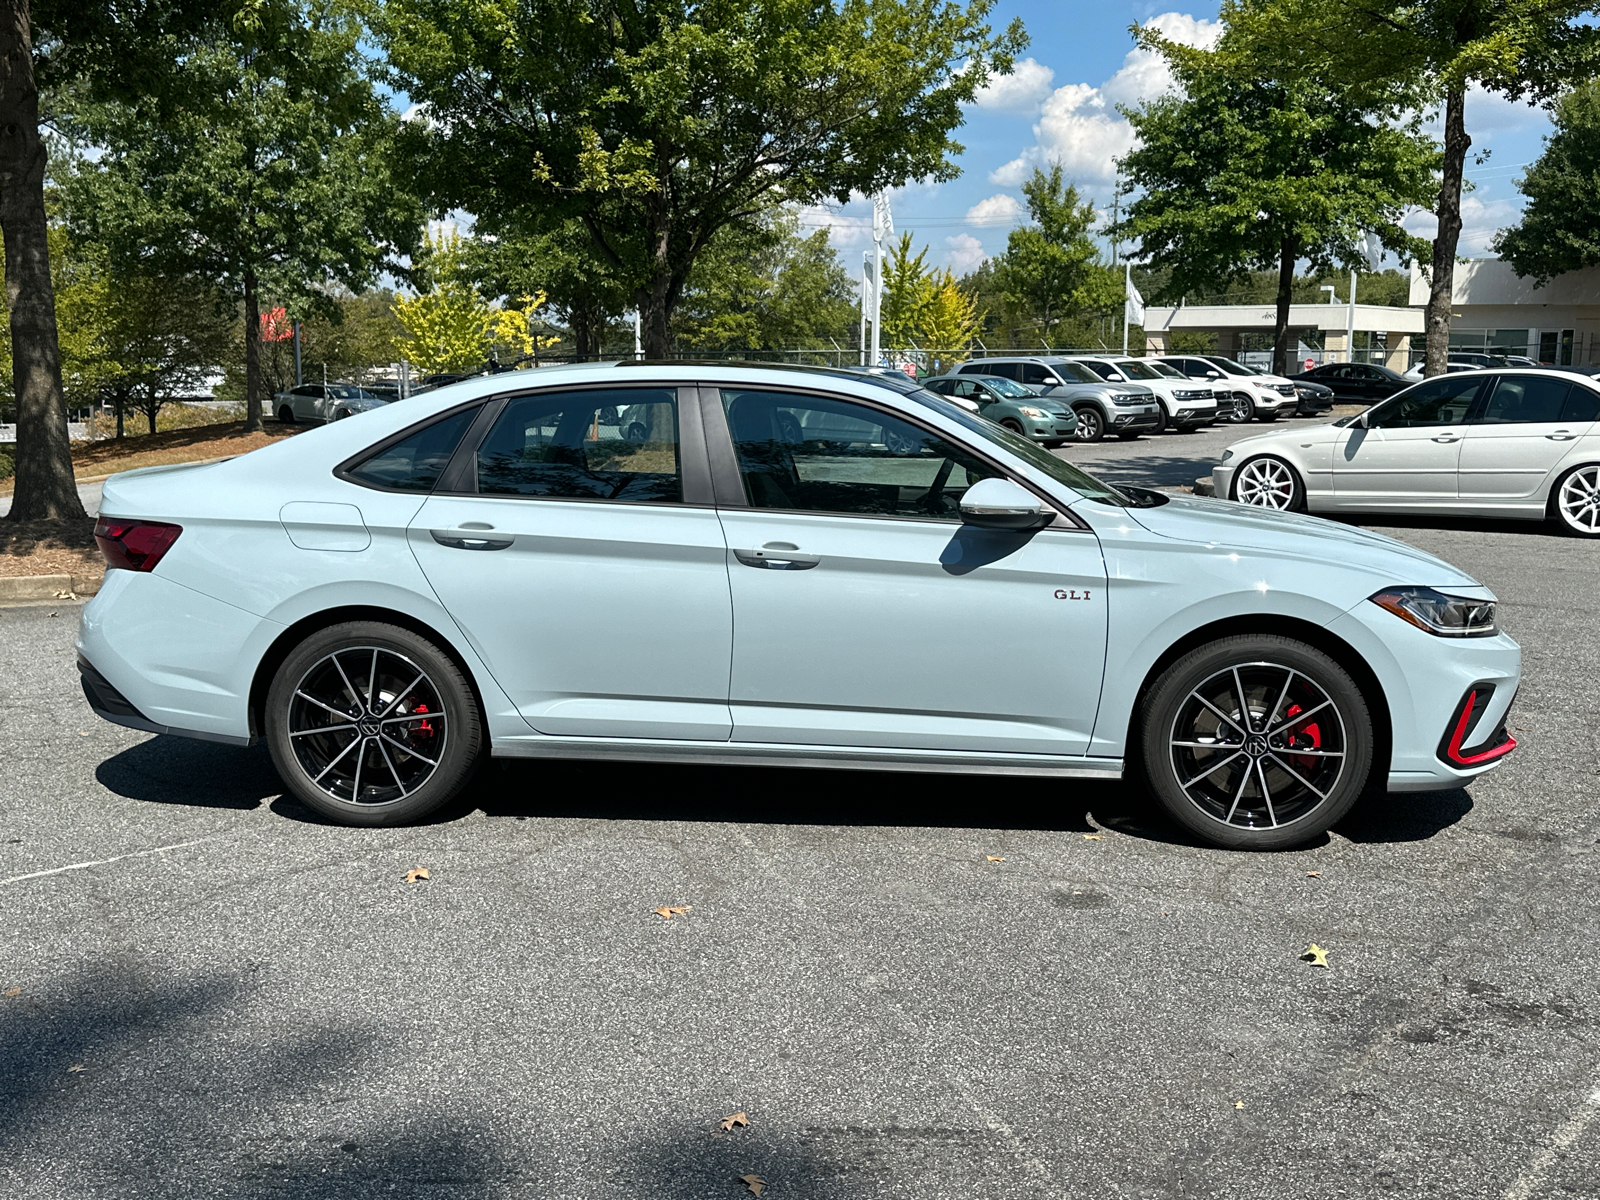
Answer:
(1016, 406)
(1125, 409)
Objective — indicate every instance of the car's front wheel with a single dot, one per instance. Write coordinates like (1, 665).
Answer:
(1268, 482)
(286, 415)
(371, 724)
(1576, 501)
(1091, 425)
(1256, 742)
(1239, 409)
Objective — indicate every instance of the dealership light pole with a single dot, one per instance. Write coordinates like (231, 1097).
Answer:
(882, 230)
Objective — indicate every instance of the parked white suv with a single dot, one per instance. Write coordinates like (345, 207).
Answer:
(1185, 404)
(1243, 393)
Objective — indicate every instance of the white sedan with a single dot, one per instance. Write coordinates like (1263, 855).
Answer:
(1507, 443)
(324, 402)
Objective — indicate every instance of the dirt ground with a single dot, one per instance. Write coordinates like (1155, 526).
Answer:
(50, 548)
(91, 459)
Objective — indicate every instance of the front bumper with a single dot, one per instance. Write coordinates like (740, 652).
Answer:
(1146, 416)
(1194, 418)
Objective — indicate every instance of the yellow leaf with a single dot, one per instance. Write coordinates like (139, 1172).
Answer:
(993, 858)
(1092, 837)
(755, 1183)
(76, 1067)
(1238, 1103)
(416, 873)
(1316, 956)
(738, 1118)
(666, 912)
(13, 992)
(1313, 874)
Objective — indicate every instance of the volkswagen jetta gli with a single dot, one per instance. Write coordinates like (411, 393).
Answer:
(768, 565)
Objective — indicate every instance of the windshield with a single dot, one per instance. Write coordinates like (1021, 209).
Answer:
(1072, 370)
(1004, 387)
(1134, 369)
(1032, 453)
(1231, 367)
(1166, 371)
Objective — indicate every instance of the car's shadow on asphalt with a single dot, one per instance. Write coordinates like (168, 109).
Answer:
(169, 770)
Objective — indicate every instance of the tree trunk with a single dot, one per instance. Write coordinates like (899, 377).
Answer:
(252, 355)
(45, 488)
(121, 402)
(655, 311)
(1289, 251)
(1443, 281)
(152, 407)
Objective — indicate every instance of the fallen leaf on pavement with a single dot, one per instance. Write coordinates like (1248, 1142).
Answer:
(75, 1067)
(67, 595)
(993, 858)
(1093, 837)
(416, 874)
(755, 1183)
(1316, 956)
(13, 992)
(738, 1118)
(666, 912)
(1313, 874)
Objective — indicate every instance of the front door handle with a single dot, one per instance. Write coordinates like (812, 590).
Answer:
(778, 556)
(1561, 435)
(1447, 438)
(459, 539)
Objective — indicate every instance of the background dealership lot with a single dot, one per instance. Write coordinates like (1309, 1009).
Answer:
(238, 1001)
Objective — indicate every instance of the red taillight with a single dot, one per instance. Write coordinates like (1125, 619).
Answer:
(134, 545)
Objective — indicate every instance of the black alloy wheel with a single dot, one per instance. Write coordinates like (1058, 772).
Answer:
(1091, 425)
(1256, 742)
(371, 724)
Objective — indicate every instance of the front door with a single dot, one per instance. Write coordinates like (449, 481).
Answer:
(1407, 452)
(1526, 428)
(596, 595)
(866, 614)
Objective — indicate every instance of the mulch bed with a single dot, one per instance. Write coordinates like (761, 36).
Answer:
(50, 548)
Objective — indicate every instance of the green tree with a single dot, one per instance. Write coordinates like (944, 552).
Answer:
(907, 291)
(451, 326)
(1437, 49)
(1560, 226)
(1051, 268)
(951, 319)
(582, 291)
(658, 123)
(1242, 171)
(261, 161)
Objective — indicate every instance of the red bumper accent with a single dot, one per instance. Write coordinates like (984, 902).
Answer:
(1499, 744)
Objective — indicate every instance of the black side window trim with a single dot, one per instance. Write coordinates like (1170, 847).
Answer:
(730, 484)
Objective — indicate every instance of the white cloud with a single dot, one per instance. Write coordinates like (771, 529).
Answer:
(843, 231)
(1079, 126)
(1020, 91)
(996, 210)
(966, 253)
(1480, 221)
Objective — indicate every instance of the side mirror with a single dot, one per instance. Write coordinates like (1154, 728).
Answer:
(1213, 374)
(1002, 504)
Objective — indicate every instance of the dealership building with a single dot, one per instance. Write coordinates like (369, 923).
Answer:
(1491, 310)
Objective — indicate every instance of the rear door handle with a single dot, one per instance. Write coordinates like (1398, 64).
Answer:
(458, 539)
(1448, 438)
(778, 556)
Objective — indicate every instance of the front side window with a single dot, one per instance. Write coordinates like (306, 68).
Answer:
(1196, 368)
(1103, 369)
(1033, 373)
(1165, 370)
(1134, 369)
(1442, 401)
(607, 444)
(810, 454)
(1525, 400)
(415, 462)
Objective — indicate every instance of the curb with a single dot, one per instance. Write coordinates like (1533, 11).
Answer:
(1202, 486)
(14, 588)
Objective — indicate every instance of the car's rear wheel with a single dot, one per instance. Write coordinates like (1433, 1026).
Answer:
(1256, 742)
(1268, 482)
(286, 415)
(1239, 409)
(1091, 425)
(1575, 501)
(371, 724)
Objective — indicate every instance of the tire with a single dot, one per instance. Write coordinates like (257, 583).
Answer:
(1262, 775)
(1091, 424)
(1575, 501)
(1268, 482)
(341, 414)
(1014, 426)
(1166, 421)
(1267, 417)
(393, 781)
(286, 415)
(1241, 410)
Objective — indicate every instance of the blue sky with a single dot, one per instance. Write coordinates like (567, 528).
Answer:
(1060, 106)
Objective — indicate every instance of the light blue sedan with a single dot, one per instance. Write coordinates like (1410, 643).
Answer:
(810, 564)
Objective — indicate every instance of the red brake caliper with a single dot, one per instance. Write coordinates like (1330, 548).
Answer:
(425, 729)
(1298, 740)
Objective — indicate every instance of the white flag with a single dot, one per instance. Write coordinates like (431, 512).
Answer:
(1133, 310)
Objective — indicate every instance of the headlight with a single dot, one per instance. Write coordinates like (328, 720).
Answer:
(1031, 412)
(1439, 614)
(1129, 398)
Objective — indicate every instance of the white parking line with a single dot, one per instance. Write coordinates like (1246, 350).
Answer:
(1562, 1140)
(101, 862)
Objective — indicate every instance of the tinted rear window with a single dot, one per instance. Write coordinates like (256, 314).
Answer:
(415, 462)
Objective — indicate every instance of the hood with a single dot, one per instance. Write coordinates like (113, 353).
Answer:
(1224, 523)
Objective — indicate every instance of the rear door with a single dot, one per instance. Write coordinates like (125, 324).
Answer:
(577, 547)
(1407, 453)
(1527, 426)
(867, 615)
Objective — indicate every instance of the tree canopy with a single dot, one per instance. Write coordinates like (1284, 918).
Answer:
(1051, 267)
(1560, 226)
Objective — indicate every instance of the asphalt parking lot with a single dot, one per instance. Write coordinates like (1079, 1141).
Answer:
(913, 986)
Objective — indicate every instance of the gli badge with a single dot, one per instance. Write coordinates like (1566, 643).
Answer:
(1073, 594)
